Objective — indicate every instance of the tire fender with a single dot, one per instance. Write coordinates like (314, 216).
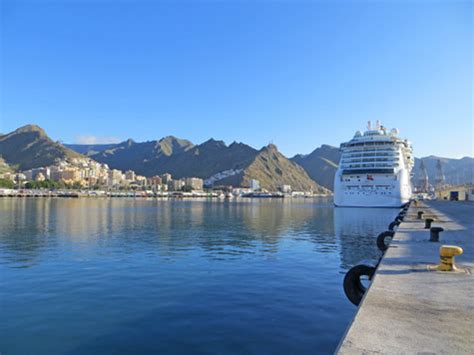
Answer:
(381, 239)
(353, 287)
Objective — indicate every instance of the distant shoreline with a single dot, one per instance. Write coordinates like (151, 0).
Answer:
(5, 193)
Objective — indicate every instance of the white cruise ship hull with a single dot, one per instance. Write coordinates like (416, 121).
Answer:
(380, 191)
(369, 200)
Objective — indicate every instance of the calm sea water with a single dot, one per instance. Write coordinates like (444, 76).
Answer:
(206, 277)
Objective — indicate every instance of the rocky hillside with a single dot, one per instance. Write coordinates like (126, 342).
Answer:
(90, 149)
(145, 158)
(210, 158)
(321, 164)
(29, 147)
(273, 170)
(4, 167)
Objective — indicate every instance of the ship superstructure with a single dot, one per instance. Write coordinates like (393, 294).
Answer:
(375, 169)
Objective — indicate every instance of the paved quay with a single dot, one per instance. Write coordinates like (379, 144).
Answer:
(412, 310)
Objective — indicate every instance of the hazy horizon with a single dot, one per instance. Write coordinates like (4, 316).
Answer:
(296, 74)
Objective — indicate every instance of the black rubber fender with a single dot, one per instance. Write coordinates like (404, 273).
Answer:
(353, 287)
(393, 224)
(381, 239)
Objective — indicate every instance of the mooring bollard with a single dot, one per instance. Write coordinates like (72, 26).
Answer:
(446, 255)
(428, 222)
(434, 233)
(420, 214)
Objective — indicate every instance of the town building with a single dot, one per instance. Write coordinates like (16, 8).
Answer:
(196, 184)
(115, 177)
(254, 184)
(166, 178)
(130, 175)
(286, 189)
(175, 185)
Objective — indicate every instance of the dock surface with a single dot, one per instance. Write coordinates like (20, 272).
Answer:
(409, 309)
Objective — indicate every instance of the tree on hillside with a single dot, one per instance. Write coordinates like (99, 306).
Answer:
(7, 183)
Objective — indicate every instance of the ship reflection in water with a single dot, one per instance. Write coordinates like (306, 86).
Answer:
(357, 230)
(151, 276)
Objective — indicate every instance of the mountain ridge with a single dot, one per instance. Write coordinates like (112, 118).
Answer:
(321, 164)
(29, 146)
(213, 160)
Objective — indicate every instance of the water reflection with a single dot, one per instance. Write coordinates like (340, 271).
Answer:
(168, 227)
(175, 276)
(357, 230)
(171, 228)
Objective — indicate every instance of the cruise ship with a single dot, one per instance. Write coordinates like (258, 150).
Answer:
(375, 169)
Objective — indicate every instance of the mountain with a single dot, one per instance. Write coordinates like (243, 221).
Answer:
(456, 171)
(212, 160)
(90, 149)
(172, 155)
(144, 158)
(29, 147)
(321, 164)
(209, 158)
(272, 169)
(179, 157)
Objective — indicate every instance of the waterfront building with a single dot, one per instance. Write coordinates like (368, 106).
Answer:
(130, 175)
(194, 183)
(55, 173)
(155, 181)
(115, 177)
(31, 174)
(254, 184)
(166, 178)
(455, 192)
(140, 180)
(70, 175)
(286, 189)
(175, 185)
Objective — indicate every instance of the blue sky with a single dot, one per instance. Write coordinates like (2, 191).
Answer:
(298, 74)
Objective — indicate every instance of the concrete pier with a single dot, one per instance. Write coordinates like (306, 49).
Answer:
(410, 309)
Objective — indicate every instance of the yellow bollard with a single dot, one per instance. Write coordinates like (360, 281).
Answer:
(447, 254)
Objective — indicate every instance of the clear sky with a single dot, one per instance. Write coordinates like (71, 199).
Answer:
(298, 74)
